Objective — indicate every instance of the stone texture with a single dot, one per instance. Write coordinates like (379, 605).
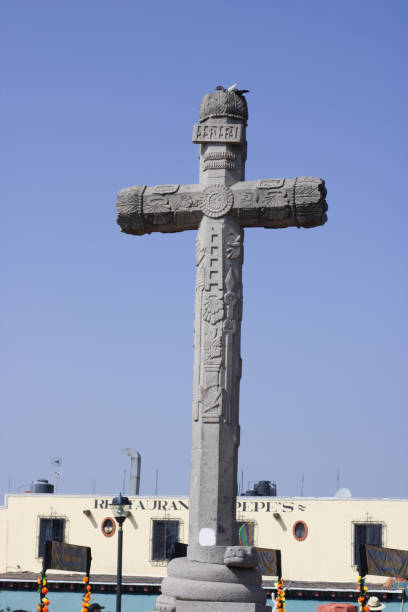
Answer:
(212, 606)
(241, 556)
(218, 575)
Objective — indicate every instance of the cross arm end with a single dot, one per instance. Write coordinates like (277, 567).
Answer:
(162, 208)
(277, 203)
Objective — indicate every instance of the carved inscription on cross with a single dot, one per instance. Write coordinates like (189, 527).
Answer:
(219, 206)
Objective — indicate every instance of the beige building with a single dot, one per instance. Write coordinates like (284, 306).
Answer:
(317, 536)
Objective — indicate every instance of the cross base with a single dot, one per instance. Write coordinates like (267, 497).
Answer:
(185, 605)
(211, 587)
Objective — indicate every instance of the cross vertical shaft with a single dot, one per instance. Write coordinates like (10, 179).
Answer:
(217, 360)
(217, 372)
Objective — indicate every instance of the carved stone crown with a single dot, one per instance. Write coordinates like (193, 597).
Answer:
(224, 103)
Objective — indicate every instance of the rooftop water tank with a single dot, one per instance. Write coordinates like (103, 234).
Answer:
(42, 486)
(263, 488)
(266, 488)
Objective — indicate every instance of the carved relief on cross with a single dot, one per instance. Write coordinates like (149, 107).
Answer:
(269, 203)
(220, 206)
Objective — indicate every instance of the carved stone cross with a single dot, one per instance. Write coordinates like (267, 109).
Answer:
(220, 206)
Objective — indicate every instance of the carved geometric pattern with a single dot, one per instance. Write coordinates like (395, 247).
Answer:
(271, 183)
(166, 188)
(216, 200)
(222, 164)
(223, 160)
(219, 155)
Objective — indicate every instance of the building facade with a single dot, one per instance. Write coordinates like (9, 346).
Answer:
(318, 537)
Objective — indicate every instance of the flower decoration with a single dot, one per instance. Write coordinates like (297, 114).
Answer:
(156, 204)
(280, 600)
(130, 201)
(362, 598)
(42, 589)
(87, 596)
(213, 309)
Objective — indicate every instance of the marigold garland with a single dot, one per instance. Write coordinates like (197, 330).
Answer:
(87, 597)
(43, 606)
(362, 599)
(280, 601)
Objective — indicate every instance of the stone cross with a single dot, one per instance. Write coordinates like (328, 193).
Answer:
(220, 206)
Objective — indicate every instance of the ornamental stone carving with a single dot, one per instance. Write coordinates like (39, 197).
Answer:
(213, 309)
(216, 201)
(130, 201)
(224, 103)
(271, 203)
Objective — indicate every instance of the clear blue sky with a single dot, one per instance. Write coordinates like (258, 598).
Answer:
(97, 326)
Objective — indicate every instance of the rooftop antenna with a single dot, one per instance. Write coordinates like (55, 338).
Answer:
(57, 463)
(301, 485)
(157, 481)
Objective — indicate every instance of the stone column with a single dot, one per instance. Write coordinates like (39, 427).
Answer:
(217, 373)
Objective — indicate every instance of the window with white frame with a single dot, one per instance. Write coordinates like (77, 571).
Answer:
(50, 529)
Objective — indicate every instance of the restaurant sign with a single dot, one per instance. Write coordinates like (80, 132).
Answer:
(166, 505)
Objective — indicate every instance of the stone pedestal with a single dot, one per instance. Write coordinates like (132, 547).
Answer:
(214, 585)
(220, 606)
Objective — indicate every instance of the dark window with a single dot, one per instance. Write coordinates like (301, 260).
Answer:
(246, 531)
(366, 533)
(164, 538)
(50, 529)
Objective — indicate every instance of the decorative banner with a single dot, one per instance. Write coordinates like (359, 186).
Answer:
(378, 561)
(66, 557)
(269, 562)
(246, 534)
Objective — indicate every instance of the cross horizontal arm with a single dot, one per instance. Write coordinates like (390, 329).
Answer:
(270, 203)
